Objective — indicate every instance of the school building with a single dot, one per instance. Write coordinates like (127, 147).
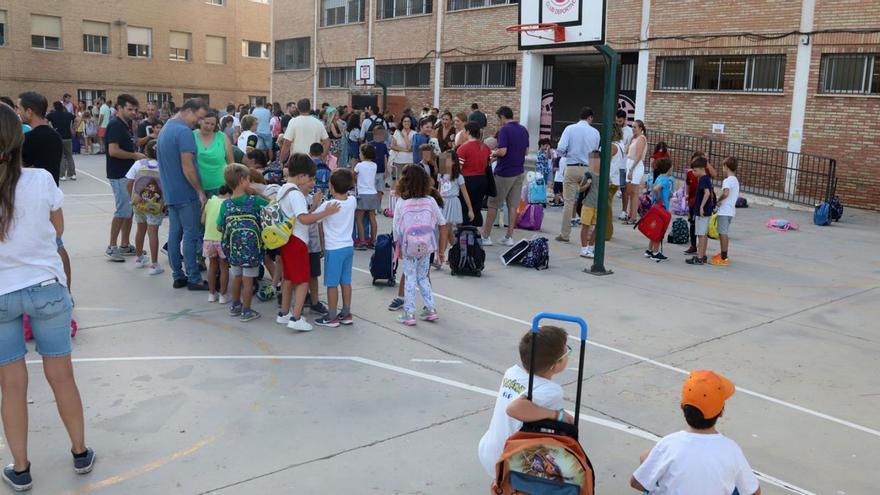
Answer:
(802, 76)
(156, 50)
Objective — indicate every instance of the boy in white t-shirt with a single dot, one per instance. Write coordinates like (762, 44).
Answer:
(512, 408)
(295, 254)
(367, 197)
(698, 460)
(338, 249)
(726, 209)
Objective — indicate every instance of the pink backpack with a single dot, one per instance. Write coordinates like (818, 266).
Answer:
(782, 225)
(679, 202)
(418, 227)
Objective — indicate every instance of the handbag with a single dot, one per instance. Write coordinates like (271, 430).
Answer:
(491, 190)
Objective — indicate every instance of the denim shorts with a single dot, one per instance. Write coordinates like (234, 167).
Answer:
(337, 266)
(724, 224)
(264, 141)
(123, 200)
(49, 308)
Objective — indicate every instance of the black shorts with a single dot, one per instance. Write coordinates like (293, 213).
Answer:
(315, 264)
(273, 253)
(557, 188)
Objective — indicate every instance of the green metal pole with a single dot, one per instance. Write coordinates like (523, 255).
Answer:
(608, 110)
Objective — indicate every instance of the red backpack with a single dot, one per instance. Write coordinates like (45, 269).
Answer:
(654, 222)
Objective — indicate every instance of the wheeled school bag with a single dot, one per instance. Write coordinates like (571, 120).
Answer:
(654, 222)
(531, 218)
(679, 202)
(680, 232)
(466, 256)
(545, 457)
(382, 263)
(537, 189)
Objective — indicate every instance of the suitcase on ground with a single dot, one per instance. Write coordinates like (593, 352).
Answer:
(382, 264)
(654, 223)
(466, 256)
(546, 457)
(532, 217)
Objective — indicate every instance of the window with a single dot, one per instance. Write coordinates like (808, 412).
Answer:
(140, 42)
(158, 97)
(403, 8)
(857, 74)
(203, 96)
(257, 101)
(475, 4)
(406, 75)
(215, 2)
(2, 27)
(90, 95)
(215, 49)
(254, 49)
(292, 54)
(336, 77)
(334, 12)
(96, 37)
(481, 74)
(179, 46)
(45, 32)
(764, 73)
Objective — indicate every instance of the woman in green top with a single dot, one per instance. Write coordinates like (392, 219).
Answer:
(214, 153)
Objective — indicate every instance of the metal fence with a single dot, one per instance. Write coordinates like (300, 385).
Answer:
(770, 172)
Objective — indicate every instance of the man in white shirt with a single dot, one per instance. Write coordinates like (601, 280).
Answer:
(698, 460)
(302, 132)
(578, 141)
(620, 119)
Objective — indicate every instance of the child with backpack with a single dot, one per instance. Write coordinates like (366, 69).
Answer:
(690, 182)
(367, 196)
(512, 408)
(416, 220)
(698, 459)
(239, 225)
(703, 205)
(726, 209)
(450, 185)
(338, 249)
(322, 171)
(661, 193)
(295, 253)
(212, 250)
(542, 163)
(145, 189)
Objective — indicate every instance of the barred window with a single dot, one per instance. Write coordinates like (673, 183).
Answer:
(761, 73)
(90, 95)
(334, 12)
(404, 75)
(475, 4)
(336, 77)
(857, 74)
(254, 49)
(500, 74)
(158, 97)
(96, 37)
(403, 8)
(292, 53)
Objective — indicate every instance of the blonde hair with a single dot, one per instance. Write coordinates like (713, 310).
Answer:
(234, 173)
(247, 122)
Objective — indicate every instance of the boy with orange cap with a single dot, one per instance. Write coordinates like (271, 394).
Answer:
(699, 459)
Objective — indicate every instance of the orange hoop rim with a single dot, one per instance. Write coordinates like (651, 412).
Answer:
(558, 30)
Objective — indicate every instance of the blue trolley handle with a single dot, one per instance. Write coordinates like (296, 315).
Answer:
(572, 319)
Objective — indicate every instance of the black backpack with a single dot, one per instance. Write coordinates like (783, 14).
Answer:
(835, 209)
(680, 232)
(467, 256)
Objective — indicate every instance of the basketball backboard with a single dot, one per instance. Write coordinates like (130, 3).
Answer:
(365, 71)
(582, 20)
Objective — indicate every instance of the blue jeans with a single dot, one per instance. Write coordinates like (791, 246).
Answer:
(49, 307)
(185, 221)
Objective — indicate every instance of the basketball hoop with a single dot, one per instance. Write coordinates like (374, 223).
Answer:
(557, 30)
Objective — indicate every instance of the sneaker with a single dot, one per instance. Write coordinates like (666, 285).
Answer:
(212, 297)
(200, 286)
(127, 250)
(19, 482)
(691, 250)
(575, 222)
(248, 315)
(319, 309)
(696, 260)
(113, 253)
(300, 325)
(648, 253)
(164, 249)
(140, 262)
(559, 238)
(407, 319)
(63, 178)
(179, 283)
(222, 299)
(622, 216)
(508, 241)
(360, 246)
(325, 321)
(346, 319)
(487, 241)
(84, 464)
(235, 309)
(72, 177)
(658, 257)
(587, 253)
(156, 269)
(283, 319)
(429, 315)
(396, 304)
(371, 245)
(717, 260)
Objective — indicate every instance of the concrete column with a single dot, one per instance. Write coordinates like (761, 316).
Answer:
(799, 93)
(644, 56)
(530, 95)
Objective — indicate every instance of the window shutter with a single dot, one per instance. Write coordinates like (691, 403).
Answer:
(43, 25)
(96, 28)
(139, 36)
(215, 49)
(182, 41)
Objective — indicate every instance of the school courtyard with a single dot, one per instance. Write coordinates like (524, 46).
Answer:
(180, 398)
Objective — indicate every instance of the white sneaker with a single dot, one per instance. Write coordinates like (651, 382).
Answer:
(222, 299)
(585, 251)
(622, 216)
(590, 253)
(140, 262)
(156, 269)
(283, 319)
(62, 178)
(507, 241)
(300, 325)
(487, 241)
(212, 297)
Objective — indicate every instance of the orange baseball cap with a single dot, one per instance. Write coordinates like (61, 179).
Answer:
(707, 391)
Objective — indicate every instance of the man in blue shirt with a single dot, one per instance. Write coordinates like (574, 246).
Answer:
(513, 144)
(184, 196)
(264, 129)
(578, 141)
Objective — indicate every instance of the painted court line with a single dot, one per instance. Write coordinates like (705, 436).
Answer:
(631, 430)
(805, 410)
(102, 181)
(437, 361)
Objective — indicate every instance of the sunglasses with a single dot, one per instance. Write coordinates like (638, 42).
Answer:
(566, 354)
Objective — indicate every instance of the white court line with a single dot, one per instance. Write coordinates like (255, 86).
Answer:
(92, 195)
(438, 361)
(94, 177)
(811, 412)
(631, 430)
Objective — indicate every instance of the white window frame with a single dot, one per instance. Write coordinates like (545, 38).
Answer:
(409, 9)
(358, 12)
(245, 49)
(139, 46)
(158, 97)
(90, 95)
(344, 74)
(748, 86)
(4, 28)
(257, 101)
(216, 3)
(44, 39)
(484, 74)
(457, 5)
(90, 40)
(869, 65)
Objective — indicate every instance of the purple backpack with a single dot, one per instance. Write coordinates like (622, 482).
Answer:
(679, 202)
(532, 217)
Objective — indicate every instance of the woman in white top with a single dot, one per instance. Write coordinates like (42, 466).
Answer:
(635, 170)
(461, 136)
(401, 143)
(618, 168)
(32, 283)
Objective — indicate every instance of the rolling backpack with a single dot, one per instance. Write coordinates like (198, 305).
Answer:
(822, 214)
(418, 227)
(466, 256)
(680, 232)
(679, 202)
(241, 240)
(382, 263)
(531, 218)
(537, 255)
(537, 193)
(276, 227)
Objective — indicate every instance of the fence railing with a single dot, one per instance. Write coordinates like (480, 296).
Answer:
(771, 172)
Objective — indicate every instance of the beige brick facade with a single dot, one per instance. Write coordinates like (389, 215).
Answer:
(71, 69)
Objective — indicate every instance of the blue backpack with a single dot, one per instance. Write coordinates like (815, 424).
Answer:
(241, 239)
(322, 179)
(537, 190)
(822, 215)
